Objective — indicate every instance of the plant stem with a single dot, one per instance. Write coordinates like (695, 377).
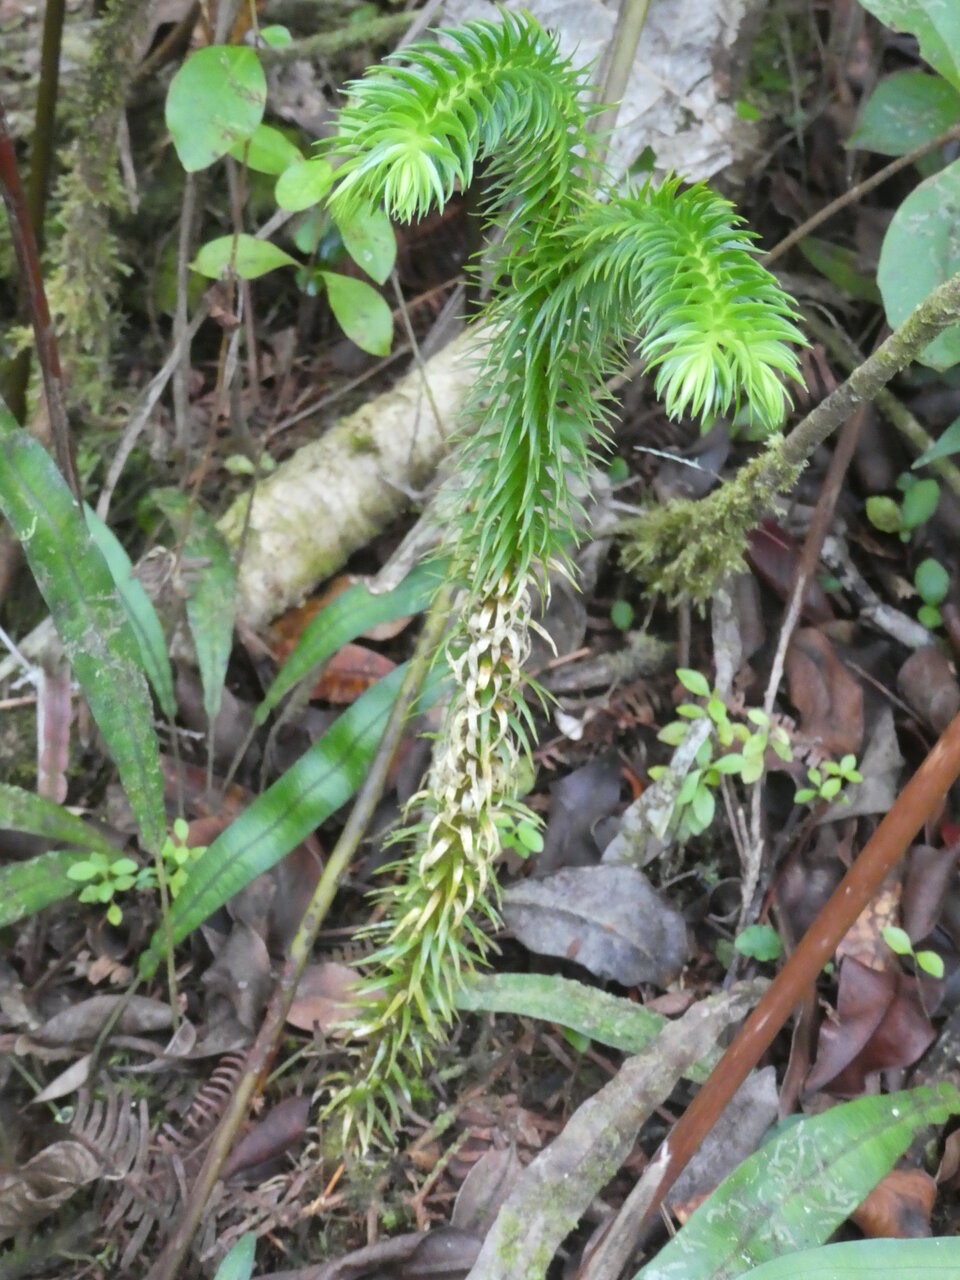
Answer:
(621, 54)
(263, 1049)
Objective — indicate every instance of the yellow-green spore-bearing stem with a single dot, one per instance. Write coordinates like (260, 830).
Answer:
(577, 279)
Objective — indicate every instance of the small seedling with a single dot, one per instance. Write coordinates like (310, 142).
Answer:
(759, 942)
(920, 501)
(696, 803)
(899, 943)
(932, 583)
(828, 780)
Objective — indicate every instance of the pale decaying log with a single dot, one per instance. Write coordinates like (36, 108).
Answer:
(336, 494)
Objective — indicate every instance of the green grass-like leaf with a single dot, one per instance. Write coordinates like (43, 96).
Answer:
(98, 639)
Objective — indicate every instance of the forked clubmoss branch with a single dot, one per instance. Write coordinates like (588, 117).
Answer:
(577, 280)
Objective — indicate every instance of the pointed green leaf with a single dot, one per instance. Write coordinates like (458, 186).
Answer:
(238, 1264)
(370, 241)
(98, 639)
(345, 618)
(361, 312)
(212, 598)
(935, 23)
(267, 150)
(797, 1189)
(947, 445)
(30, 886)
(322, 780)
(906, 111)
(23, 811)
(147, 627)
(928, 1259)
(215, 100)
(250, 257)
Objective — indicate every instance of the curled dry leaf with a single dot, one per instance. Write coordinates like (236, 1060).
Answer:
(899, 1207)
(928, 685)
(609, 919)
(277, 1132)
(577, 803)
(879, 1023)
(34, 1191)
(83, 1022)
(324, 999)
(828, 698)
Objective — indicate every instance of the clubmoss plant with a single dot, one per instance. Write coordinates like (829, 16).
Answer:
(579, 278)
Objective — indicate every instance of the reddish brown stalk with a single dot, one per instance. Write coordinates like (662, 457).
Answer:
(919, 801)
(28, 262)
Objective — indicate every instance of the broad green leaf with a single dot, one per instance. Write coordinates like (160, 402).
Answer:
(98, 639)
(349, 616)
(369, 239)
(322, 780)
(238, 1264)
(694, 681)
(797, 1189)
(212, 591)
(928, 1259)
(932, 581)
(947, 445)
(266, 151)
(935, 23)
(884, 514)
(215, 100)
(906, 111)
(147, 627)
(920, 502)
(361, 312)
(249, 257)
(276, 36)
(612, 1020)
(30, 886)
(303, 185)
(920, 252)
(23, 811)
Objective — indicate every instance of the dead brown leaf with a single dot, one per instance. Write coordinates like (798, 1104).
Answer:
(829, 700)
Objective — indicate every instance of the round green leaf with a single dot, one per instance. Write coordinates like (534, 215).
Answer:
(920, 503)
(906, 111)
(920, 252)
(694, 681)
(932, 581)
(369, 239)
(760, 941)
(276, 36)
(361, 312)
(303, 185)
(266, 151)
(884, 514)
(251, 257)
(215, 100)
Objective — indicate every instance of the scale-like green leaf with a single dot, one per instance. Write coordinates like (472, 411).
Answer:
(143, 616)
(212, 591)
(349, 616)
(27, 887)
(797, 1189)
(23, 811)
(98, 639)
(215, 100)
(322, 780)
(929, 1259)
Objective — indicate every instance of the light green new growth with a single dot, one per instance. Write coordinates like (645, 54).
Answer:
(577, 282)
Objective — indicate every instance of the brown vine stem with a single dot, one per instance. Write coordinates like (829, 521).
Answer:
(28, 263)
(918, 802)
(169, 1265)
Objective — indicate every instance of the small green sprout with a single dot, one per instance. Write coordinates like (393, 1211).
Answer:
(695, 805)
(828, 780)
(932, 583)
(920, 501)
(759, 942)
(899, 943)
